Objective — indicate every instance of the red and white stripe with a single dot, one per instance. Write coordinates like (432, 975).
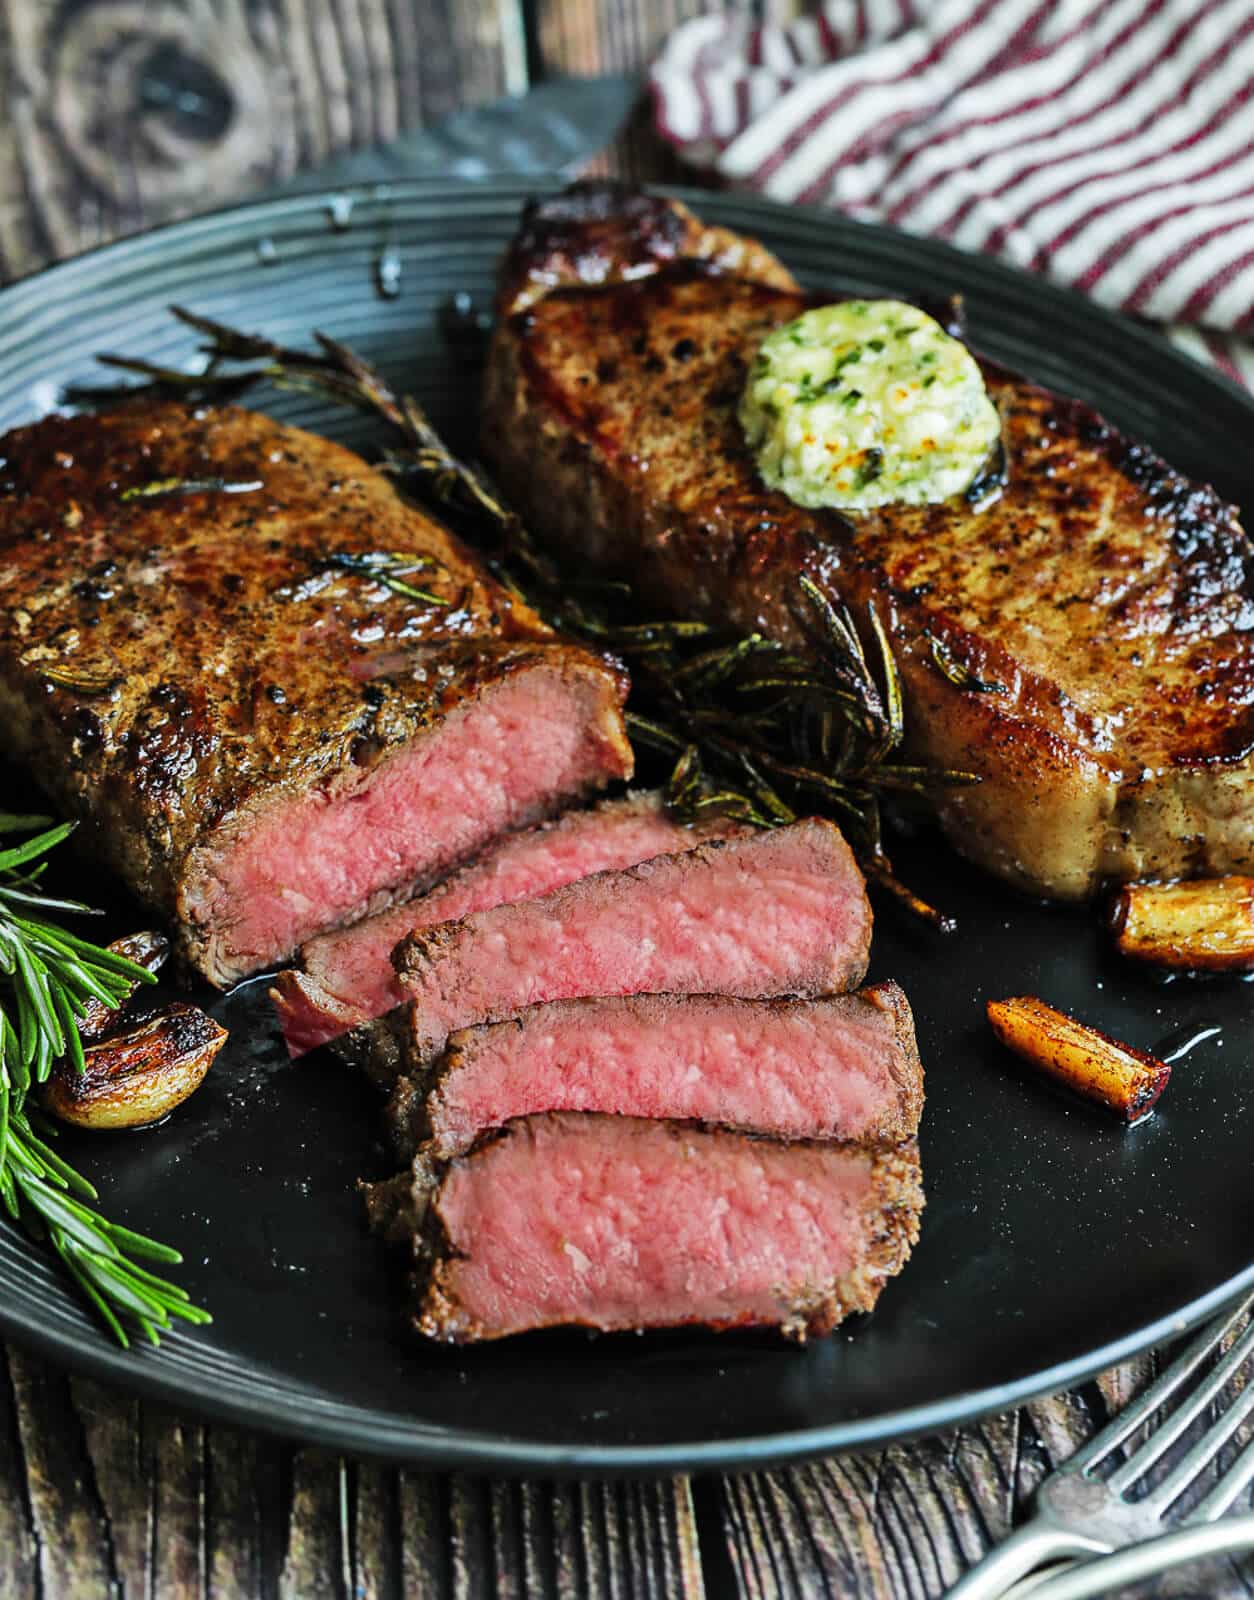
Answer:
(1106, 143)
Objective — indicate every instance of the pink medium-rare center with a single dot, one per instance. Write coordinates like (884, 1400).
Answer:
(292, 868)
(783, 912)
(614, 1222)
(347, 976)
(842, 1067)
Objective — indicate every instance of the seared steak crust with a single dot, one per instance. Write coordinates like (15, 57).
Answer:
(1105, 598)
(180, 652)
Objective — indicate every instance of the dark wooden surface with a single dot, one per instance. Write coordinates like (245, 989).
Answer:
(100, 1495)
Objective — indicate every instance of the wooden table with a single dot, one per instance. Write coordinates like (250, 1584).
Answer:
(99, 1494)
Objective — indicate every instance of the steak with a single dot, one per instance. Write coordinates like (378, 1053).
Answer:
(783, 912)
(844, 1068)
(616, 1223)
(205, 656)
(347, 977)
(1096, 614)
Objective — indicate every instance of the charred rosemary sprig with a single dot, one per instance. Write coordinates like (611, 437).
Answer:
(766, 733)
(744, 724)
(48, 979)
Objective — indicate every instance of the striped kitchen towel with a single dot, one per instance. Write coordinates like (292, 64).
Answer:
(1107, 143)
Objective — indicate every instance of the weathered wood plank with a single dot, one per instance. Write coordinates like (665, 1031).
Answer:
(376, 1534)
(17, 1543)
(591, 36)
(120, 113)
(121, 1469)
(244, 1513)
(595, 1541)
(426, 1550)
(75, 1556)
(318, 1558)
(173, 1459)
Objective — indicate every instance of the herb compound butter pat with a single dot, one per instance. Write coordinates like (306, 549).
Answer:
(867, 403)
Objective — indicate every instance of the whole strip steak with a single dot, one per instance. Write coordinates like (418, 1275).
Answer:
(1084, 641)
(615, 1222)
(274, 691)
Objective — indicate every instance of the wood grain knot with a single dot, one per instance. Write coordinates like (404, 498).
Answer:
(172, 103)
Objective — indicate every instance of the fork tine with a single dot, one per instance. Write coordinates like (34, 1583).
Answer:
(1178, 1423)
(1202, 1453)
(1228, 1490)
(1159, 1392)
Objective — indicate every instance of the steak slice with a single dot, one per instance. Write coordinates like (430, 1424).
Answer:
(775, 913)
(617, 1223)
(1105, 595)
(347, 976)
(842, 1068)
(200, 658)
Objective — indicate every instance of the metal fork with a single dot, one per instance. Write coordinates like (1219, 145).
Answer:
(1080, 1514)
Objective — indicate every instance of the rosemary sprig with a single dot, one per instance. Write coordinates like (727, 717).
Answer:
(48, 975)
(161, 487)
(745, 725)
(389, 568)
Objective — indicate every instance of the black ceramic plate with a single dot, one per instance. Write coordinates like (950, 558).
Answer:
(1054, 1242)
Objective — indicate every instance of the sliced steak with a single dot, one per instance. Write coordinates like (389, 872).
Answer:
(840, 1068)
(616, 1223)
(783, 912)
(217, 652)
(1107, 597)
(347, 977)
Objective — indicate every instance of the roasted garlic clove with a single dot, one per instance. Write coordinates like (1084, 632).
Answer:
(1206, 924)
(140, 1076)
(148, 950)
(1126, 1081)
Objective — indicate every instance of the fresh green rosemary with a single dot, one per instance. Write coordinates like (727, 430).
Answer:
(48, 976)
(746, 725)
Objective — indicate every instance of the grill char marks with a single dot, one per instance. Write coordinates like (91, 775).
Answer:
(1104, 595)
(262, 738)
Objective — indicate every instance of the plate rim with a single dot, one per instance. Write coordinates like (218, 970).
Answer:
(373, 1434)
(300, 195)
(370, 1432)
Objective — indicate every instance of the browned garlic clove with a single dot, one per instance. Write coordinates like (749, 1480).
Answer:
(140, 1076)
(1124, 1080)
(1206, 924)
(148, 950)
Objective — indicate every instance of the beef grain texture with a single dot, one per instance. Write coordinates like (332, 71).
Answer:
(347, 978)
(845, 1067)
(259, 741)
(1104, 595)
(774, 913)
(623, 1223)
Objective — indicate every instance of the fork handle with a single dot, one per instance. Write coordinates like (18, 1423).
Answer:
(1007, 1562)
